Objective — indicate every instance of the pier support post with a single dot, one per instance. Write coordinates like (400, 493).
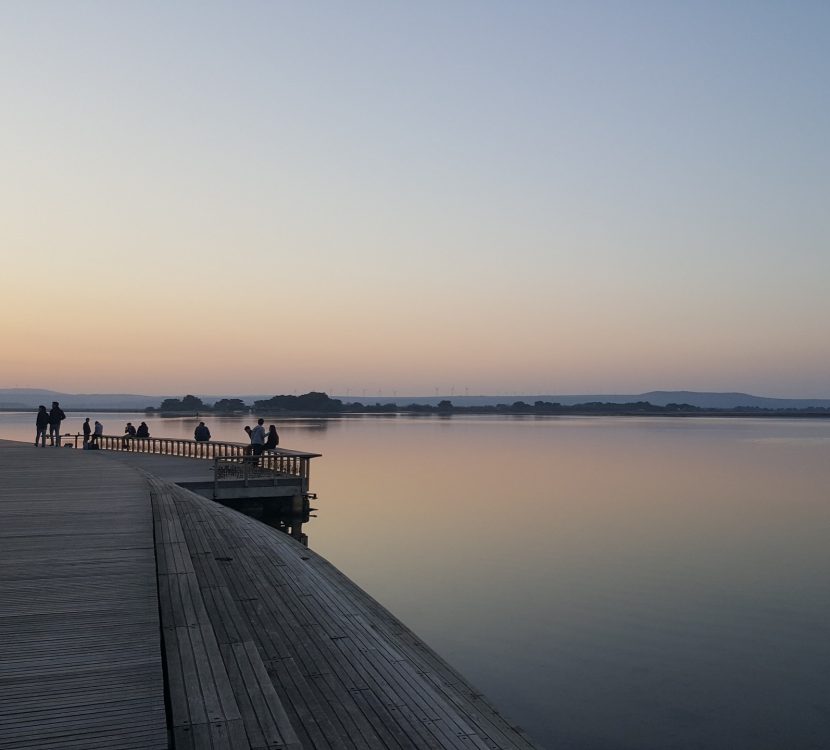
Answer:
(299, 504)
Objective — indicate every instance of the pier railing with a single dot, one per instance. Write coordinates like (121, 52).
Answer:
(264, 467)
(269, 462)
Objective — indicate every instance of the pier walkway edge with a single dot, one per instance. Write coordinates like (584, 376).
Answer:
(264, 644)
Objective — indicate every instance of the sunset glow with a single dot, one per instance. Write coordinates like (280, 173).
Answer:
(542, 198)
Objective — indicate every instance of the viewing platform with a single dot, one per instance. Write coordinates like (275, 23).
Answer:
(135, 613)
(222, 471)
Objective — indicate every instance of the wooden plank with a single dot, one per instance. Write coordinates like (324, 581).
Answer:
(228, 624)
(266, 721)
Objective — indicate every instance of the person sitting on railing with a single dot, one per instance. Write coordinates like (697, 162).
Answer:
(96, 433)
(129, 432)
(201, 433)
(143, 431)
(272, 440)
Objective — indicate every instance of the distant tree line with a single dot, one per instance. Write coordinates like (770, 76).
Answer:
(309, 402)
(193, 404)
(316, 402)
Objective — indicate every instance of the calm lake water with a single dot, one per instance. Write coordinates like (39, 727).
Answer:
(610, 583)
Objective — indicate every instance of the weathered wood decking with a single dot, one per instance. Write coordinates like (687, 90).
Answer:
(265, 644)
(329, 666)
(80, 654)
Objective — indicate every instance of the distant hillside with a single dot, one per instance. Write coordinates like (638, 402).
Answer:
(31, 398)
(730, 400)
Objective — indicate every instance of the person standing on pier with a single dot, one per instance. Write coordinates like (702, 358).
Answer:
(41, 423)
(258, 437)
(87, 432)
(56, 416)
(272, 440)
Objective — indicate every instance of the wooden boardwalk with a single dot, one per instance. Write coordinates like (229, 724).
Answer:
(80, 656)
(265, 645)
(299, 655)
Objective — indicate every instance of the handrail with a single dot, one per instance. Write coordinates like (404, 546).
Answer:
(266, 466)
(278, 460)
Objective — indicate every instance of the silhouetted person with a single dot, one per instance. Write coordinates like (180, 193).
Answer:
(143, 431)
(56, 416)
(258, 437)
(96, 433)
(129, 432)
(87, 428)
(272, 440)
(201, 433)
(41, 423)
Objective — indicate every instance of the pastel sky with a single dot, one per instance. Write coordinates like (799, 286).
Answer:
(513, 197)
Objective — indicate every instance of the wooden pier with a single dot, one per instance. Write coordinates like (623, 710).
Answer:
(264, 643)
(80, 646)
(224, 471)
(280, 461)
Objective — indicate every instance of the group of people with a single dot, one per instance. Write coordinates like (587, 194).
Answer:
(91, 441)
(91, 434)
(142, 431)
(50, 421)
(260, 439)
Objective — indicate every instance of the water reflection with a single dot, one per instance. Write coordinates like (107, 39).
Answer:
(234, 423)
(608, 582)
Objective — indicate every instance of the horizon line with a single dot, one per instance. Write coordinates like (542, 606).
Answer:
(445, 395)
